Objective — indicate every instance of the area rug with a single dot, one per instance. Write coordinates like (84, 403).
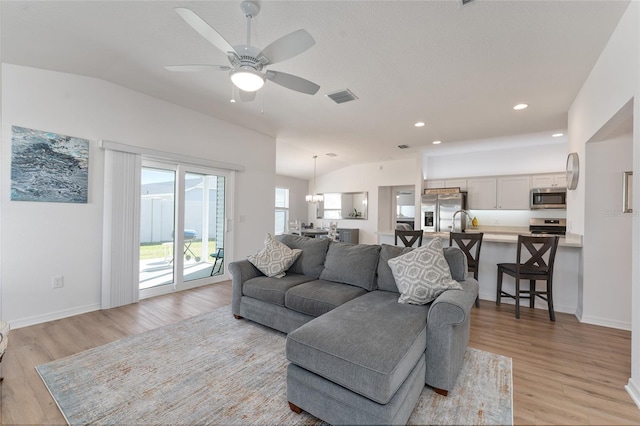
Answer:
(214, 369)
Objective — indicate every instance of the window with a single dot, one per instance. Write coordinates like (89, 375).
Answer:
(332, 206)
(282, 210)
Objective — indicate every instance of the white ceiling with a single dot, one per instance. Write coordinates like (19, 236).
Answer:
(459, 69)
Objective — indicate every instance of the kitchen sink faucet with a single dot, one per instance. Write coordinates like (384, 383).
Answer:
(453, 219)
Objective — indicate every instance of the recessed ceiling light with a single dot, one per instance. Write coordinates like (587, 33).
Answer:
(403, 146)
(331, 154)
(557, 135)
(520, 106)
(419, 124)
(436, 142)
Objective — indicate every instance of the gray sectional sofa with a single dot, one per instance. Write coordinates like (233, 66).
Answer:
(356, 355)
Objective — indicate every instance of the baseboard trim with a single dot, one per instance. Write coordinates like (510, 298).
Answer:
(540, 304)
(52, 316)
(633, 391)
(621, 325)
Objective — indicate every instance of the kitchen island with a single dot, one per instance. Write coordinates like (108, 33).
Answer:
(499, 246)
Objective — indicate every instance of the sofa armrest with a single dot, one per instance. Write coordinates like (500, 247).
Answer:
(241, 272)
(448, 325)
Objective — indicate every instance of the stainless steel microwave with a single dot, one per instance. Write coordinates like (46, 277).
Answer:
(548, 198)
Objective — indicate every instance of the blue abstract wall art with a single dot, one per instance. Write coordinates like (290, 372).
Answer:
(48, 167)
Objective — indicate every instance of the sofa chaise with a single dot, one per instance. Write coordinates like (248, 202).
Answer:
(356, 355)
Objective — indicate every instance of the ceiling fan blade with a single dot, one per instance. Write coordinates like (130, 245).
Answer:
(292, 82)
(204, 29)
(247, 96)
(197, 68)
(288, 46)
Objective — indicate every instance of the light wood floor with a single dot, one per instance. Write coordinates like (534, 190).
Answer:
(563, 372)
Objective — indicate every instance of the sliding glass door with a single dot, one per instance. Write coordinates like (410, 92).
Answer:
(157, 221)
(203, 225)
(192, 200)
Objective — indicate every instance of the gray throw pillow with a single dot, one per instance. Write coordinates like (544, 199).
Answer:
(353, 264)
(314, 252)
(275, 258)
(422, 274)
(386, 282)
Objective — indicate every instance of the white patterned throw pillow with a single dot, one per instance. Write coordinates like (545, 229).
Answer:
(422, 274)
(275, 258)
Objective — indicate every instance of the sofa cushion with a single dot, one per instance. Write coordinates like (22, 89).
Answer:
(318, 297)
(353, 264)
(368, 345)
(385, 279)
(272, 290)
(275, 258)
(457, 261)
(314, 252)
(422, 274)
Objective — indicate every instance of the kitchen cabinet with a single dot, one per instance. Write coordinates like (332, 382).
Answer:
(456, 183)
(503, 193)
(549, 180)
(447, 183)
(438, 183)
(513, 193)
(481, 194)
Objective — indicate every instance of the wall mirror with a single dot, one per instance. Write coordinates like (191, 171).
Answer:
(343, 205)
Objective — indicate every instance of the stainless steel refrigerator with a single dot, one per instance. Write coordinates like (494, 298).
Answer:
(438, 207)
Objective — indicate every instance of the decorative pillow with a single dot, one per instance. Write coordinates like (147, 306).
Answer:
(275, 258)
(386, 282)
(314, 252)
(422, 274)
(353, 264)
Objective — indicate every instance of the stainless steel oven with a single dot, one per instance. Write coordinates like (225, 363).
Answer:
(548, 198)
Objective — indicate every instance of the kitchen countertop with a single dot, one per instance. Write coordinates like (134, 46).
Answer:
(499, 235)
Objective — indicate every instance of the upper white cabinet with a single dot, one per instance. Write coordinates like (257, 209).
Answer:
(481, 194)
(513, 193)
(549, 180)
(447, 183)
(500, 192)
(456, 183)
(439, 183)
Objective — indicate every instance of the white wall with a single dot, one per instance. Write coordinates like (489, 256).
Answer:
(545, 158)
(367, 177)
(612, 83)
(44, 239)
(298, 189)
(607, 248)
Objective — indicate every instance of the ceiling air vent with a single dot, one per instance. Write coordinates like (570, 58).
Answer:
(403, 146)
(342, 96)
(331, 154)
(466, 2)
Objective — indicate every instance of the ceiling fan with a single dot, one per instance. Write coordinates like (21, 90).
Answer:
(247, 62)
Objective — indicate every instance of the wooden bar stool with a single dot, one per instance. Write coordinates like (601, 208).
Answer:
(409, 238)
(535, 268)
(466, 242)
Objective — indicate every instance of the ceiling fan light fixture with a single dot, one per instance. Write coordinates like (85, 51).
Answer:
(247, 79)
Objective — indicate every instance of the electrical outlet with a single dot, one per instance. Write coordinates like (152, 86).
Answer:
(57, 281)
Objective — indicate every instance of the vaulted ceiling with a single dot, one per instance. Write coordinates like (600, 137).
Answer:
(460, 69)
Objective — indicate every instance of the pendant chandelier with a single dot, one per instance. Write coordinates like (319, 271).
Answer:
(314, 198)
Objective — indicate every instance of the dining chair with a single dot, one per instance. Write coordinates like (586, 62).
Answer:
(409, 238)
(332, 231)
(536, 264)
(294, 227)
(470, 243)
(218, 255)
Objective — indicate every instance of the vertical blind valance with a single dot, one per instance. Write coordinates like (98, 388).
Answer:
(152, 154)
